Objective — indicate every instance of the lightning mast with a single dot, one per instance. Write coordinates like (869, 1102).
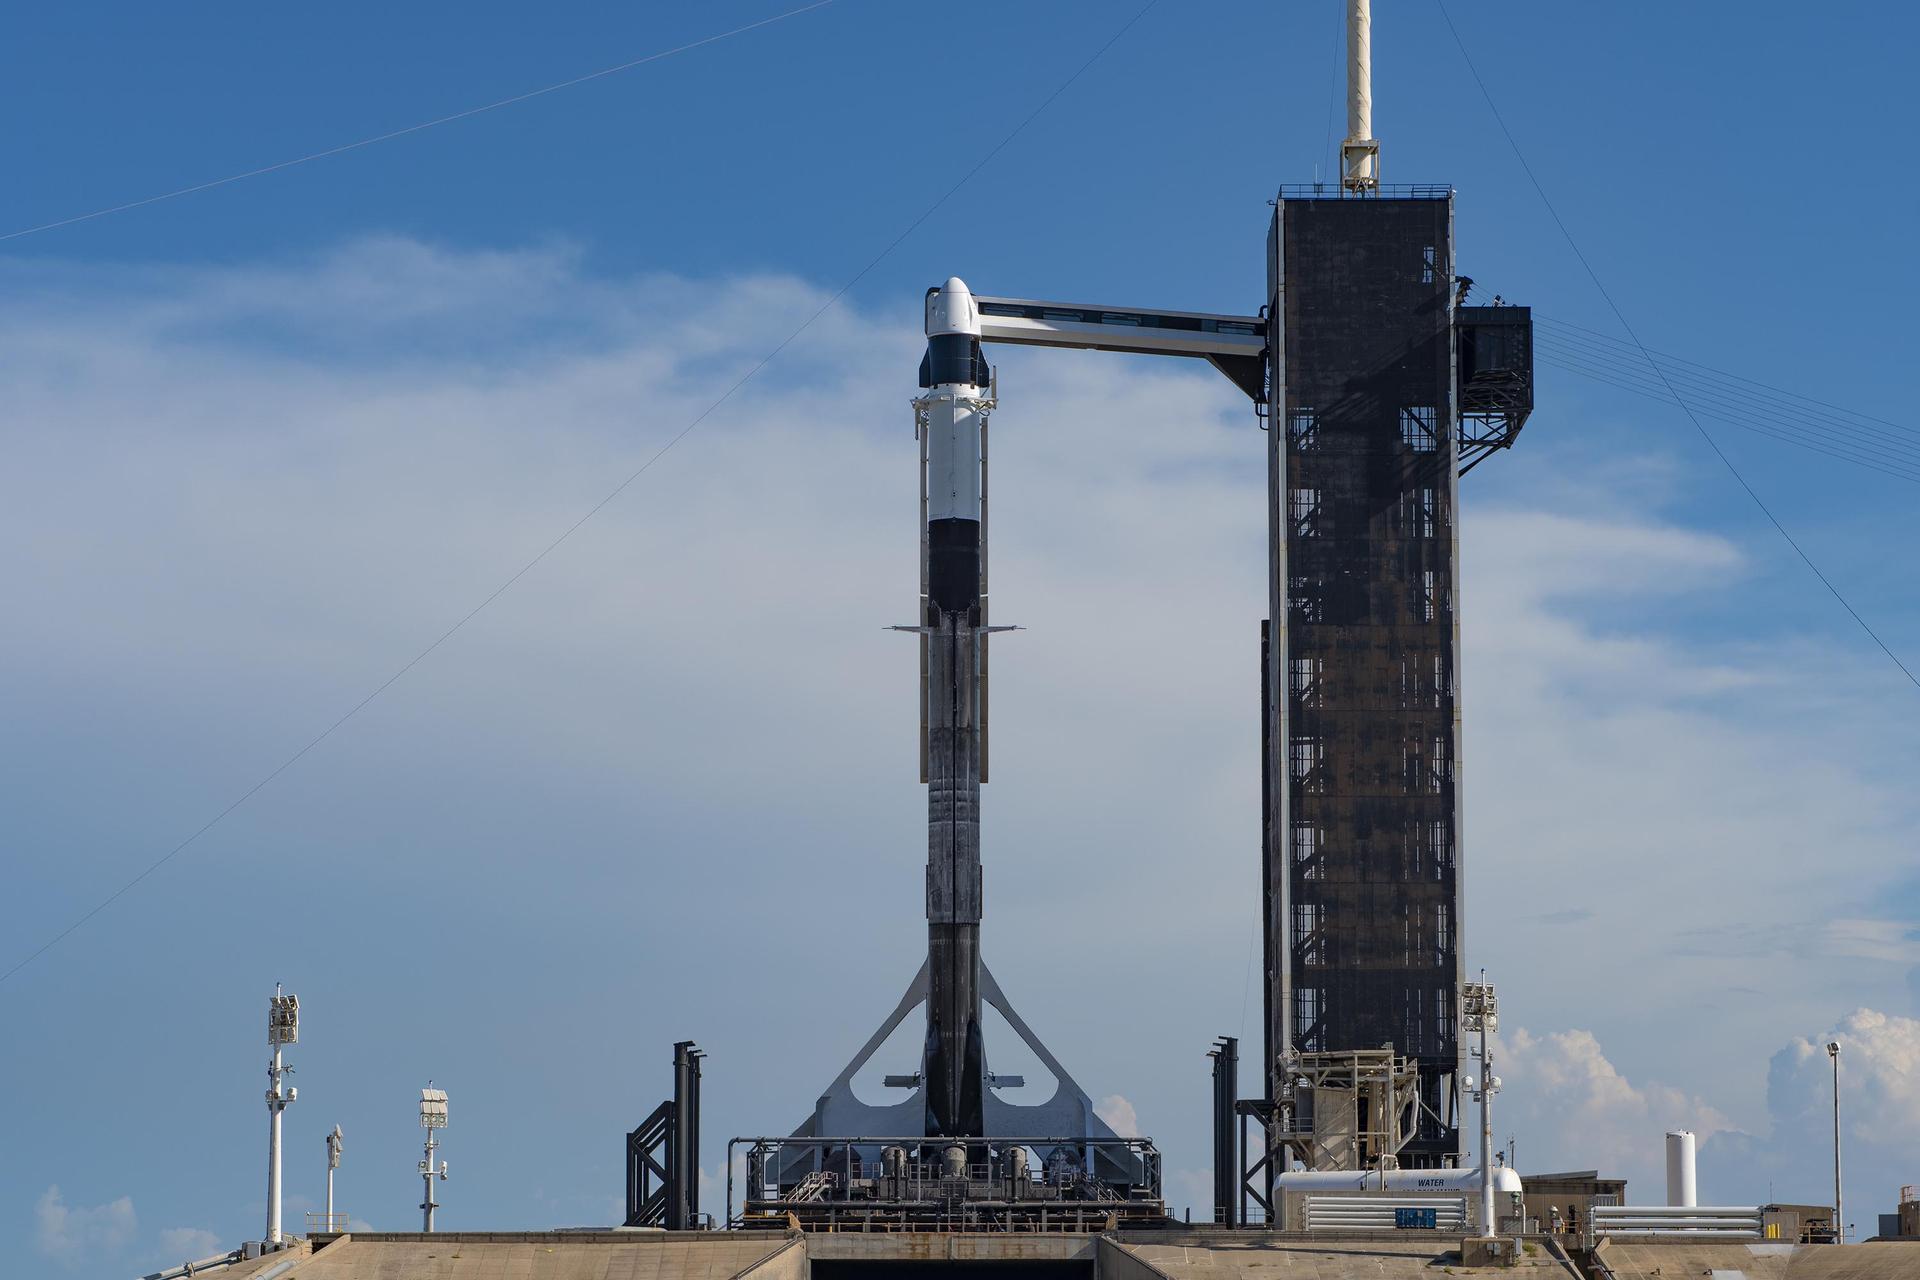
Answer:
(1360, 152)
(1480, 1011)
(433, 1115)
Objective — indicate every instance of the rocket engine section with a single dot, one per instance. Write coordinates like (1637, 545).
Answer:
(951, 420)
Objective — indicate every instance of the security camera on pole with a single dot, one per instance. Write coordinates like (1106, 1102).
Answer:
(283, 1029)
(1480, 1011)
(433, 1115)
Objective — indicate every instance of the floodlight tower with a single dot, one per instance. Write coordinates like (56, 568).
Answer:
(1839, 1223)
(1480, 1011)
(333, 1162)
(433, 1115)
(283, 1029)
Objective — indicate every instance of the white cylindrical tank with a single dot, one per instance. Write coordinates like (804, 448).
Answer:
(1682, 1184)
(1349, 1181)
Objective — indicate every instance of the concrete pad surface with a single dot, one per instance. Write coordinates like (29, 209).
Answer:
(1274, 1257)
(541, 1256)
(1730, 1260)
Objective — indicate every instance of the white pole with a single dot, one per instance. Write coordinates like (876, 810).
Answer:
(1839, 1221)
(427, 1206)
(276, 1107)
(1359, 70)
(1487, 1226)
(1359, 155)
(333, 1162)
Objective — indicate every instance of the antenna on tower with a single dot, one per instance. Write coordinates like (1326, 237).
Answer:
(1360, 153)
(283, 1029)
(433, 1115)
(333, 1162)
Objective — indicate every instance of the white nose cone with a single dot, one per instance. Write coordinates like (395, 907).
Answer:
(950, 309)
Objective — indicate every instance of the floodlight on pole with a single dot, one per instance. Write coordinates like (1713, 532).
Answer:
(1839, 1222)
(1480, 1011)
(283, 1029)
(433, 1115)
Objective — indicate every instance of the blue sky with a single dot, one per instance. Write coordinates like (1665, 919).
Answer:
(267, 441)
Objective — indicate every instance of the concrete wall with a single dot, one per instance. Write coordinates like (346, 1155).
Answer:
(1115, 1261)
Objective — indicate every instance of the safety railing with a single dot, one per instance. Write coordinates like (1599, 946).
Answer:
(1335, 191)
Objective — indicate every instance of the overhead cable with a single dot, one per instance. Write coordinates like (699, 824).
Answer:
(424, 125)
(1640, 346)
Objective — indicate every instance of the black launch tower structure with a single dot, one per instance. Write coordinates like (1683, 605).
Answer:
(1361, 732)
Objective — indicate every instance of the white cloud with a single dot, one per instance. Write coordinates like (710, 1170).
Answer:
(1879, 1079)
(1892, 941)
(1569, 1106)
(1119, 1115)
(189, 1244)
(1572, 1107)
(78, 1234)
(1637, 858)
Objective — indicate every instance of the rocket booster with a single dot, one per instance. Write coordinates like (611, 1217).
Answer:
(952, 411)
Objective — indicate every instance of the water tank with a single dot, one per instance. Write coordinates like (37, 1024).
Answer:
(1682, 1188)
(1350, 1181)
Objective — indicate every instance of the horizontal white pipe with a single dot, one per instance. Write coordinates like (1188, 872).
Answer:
(1676, 1211)
(195, 1268)
(1375, 1219)
(1675, 1224)
(1675, 1231)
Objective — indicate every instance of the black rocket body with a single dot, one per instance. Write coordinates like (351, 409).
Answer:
(952, 412)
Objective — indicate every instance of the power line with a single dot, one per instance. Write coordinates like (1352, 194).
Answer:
(413, 128)
(595, 509)
(1732, 417)
(1767, 418)
(1651, 363)
(1904, 427)
(1762, 396)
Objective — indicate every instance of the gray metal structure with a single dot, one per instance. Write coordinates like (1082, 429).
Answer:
(283, 1029)
(433, 1118)
(872, 1182)
(663, 1153)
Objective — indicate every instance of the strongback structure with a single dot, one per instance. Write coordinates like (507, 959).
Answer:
(1360, 733)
